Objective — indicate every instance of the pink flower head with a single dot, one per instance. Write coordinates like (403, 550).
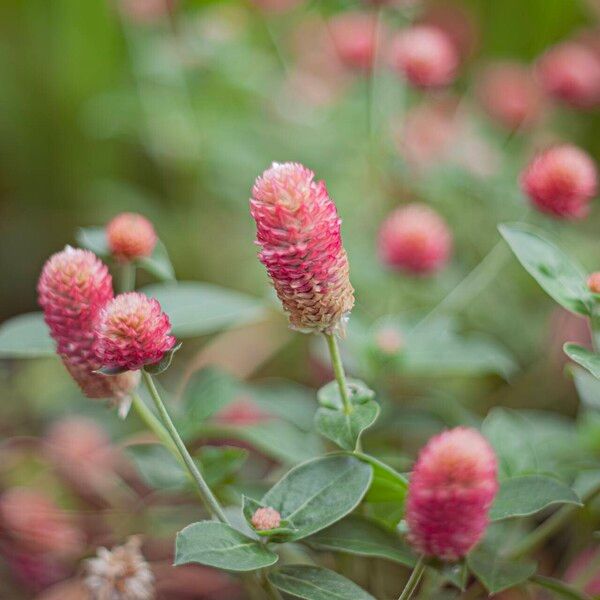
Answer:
(132, 331)
(72, 289)
(414, 238)
(425, 55)
(571, 73)
(298, 231)
(130, 236)
(389, 340)
(266, 518)
(355, 36)
(593, 282)
(451, 490)
(35, 523)
(510, 95)
(561, 181)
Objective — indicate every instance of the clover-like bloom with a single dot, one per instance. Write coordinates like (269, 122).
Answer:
(266, 518)
(298, 231)
(130, 236)
(425, 55)
(132, 331)
(415, 239)
(451, 490)
(73, 287)
(120, 574)
(561, 181)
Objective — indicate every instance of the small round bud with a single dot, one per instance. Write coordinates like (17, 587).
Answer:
(425, 55)
(130, 236)
(266, 518)
(593, 282)
(355, 36)
(561, 181)
(451, 490)
(132, 331)
(415, 239)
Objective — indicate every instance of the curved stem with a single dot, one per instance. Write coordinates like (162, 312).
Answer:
(413, 580)
(338, 370)
(211, 503)
(565, 591)
(149, 418)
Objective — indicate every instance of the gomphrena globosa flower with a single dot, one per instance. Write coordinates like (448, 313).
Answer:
(266, 518)
(73, 287)
(298, 231)
(132, 331)
(451, 489)
(414, 238)
(120, 574)
(130, 236)
(593, 282)
(561, 181)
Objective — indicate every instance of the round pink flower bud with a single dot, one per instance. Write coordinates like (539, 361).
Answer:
(130, 236)
(72, 289)
(355, 36)
(425, 55)
(571, 73)
(561, 181)
(510, 95)
(298, 231)
(132, 331)
(451, 490)
(266, 518)
(415, 239)
(593, 282)
(35, 523)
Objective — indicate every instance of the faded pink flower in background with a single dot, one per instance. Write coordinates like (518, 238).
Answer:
(242, 411)
(414, 238)
(583, 573)
(356, 36)
(298, 231)
(132, 331)
(593, 282)
(451, 490)
(130, 236)
(561, 181)
(147, 11)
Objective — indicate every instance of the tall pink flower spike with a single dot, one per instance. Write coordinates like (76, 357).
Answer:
(298, 231)
(451, 490)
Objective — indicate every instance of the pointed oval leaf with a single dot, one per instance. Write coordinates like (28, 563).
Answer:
(94, 239)
(320, 492)
(558, 275)
(344, 428)
(329, 395)
(219, 545)
(26, 336)
(159, 263)
(316, 583)
(363, 537)
(586, 358)
(528, 494)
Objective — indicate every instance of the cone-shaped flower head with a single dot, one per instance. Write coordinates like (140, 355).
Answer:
(132, 331)
(120, 574)
(298, 230)
(593, 282)
(425, 55)
(130, 236)
(72, 289)
(414, 238)
(266, 518)
(561, 181)
(451, 489)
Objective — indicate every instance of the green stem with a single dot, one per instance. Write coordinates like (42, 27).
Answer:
(270, 589)
(595, 327)
(211, 503)
(565, 591)
(550, 526)
(148, 417)
(127, 277)
(413, 580)
(338, 370)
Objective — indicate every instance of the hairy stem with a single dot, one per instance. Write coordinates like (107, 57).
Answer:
(413, 580)
(338, 370)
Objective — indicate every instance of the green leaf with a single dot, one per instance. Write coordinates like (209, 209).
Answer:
(316, 583)
(386, 496)
(26, 336)
(562, 278)
(496, 572)
(586, 358)
(345, 429)
(94, 239)
(363, 537)
(201, 308)
(560, 589)
(320, 492)
(219, 545)
(329, 395)
(588, 387)
(528, 494)
(165, 362)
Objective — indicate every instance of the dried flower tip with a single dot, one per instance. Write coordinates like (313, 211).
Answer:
(593, 282)
(266, 518)
(120, 574)
(132, 331)
(298, 230)
(451, 490)
(130, 236)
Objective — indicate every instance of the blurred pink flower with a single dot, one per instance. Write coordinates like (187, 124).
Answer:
(356, 37)
(583, 572)
(593, 282)
(242, 411)
(561, 181)
(130, 236)
(414, 238)
(451, 490)
(147, 11)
